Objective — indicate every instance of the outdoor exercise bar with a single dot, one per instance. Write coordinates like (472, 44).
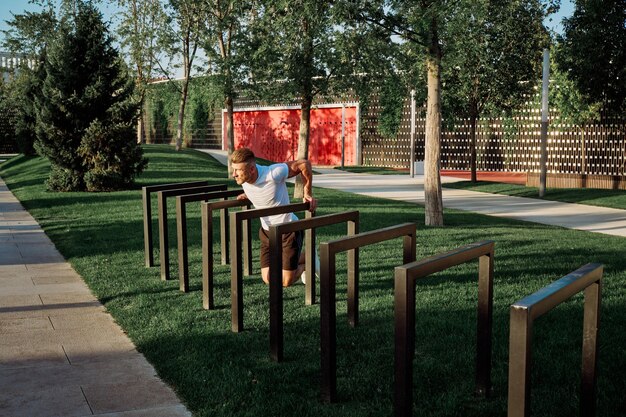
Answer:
(528, 309)
(147, 213)
(181, 229)
(328, 252)
(276, 260)
(236, 280)
(207, 243)
(164, 256)
(406, 277)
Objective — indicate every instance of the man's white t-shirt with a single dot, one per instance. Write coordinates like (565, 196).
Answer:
(270, 190)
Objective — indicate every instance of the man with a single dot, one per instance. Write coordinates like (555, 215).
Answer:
(265, 187)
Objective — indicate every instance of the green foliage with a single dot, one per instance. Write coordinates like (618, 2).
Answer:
(493, 55)
(162, 100)
(86, 111)
(392, 98)
(593, 51)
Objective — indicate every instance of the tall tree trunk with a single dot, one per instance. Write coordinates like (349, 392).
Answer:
(432, 180)
(303, 140)
(181, 114)
(140, 129)
(230, 131)
(473, 118)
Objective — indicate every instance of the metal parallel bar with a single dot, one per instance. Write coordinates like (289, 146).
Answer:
(309, 247)
(328, 322)
(163, 227)
(224, 233)
(183, 254)
(269, 211)
(353, 277)
(190, 198)
(276, 233)
(591, 323)
(520, 339)
(238, 233)
(484, 325)
(147, 228)
(207, 245)
(236, 274)
(587, 278)
(404, 341)
(328, 332)
(181, 229)
(164, 259)
(371, 237)
(276, 294)
(147, 214)
(445, 260)
(484, 252)
(554, 294)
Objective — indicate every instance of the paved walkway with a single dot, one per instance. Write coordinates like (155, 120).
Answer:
(61, 353)
(404, 188)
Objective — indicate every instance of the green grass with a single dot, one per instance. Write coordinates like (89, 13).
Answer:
(219, 373)
(590, 196)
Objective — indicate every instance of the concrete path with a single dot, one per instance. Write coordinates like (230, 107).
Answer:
(402, 187)
(61, 353)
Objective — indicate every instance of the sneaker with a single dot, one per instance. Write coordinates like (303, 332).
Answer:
(317, 270)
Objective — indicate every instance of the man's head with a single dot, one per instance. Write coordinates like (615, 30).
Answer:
(244, 165)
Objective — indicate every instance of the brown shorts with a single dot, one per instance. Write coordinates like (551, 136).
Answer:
(292, 246)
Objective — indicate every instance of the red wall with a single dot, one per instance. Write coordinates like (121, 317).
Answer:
(273, 134)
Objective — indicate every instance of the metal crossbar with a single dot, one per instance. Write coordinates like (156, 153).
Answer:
(328, 252)
(587, 278)
(147, 213)
(276, 289)
(237, 269)
(404, 311)
(207, 243)
(181, 229)
(164, 256)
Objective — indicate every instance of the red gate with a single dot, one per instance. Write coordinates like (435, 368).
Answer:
(272, 133)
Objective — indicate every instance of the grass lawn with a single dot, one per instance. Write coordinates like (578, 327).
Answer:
(590, 196)
(219, 373)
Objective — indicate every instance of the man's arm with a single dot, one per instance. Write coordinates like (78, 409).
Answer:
(303, 166)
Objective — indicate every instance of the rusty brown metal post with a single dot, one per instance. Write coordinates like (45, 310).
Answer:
(404, 338)
(237, 268)
(484, 325)
(147, 227)
(181, 229)
(310, 224)
(524, 312)
(404, 316)
(328, 330)
(163, 227)
(181, 234)
(147, 213)
(207, 244)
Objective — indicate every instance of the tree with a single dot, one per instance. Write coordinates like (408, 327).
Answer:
(593, 51)
(494, 60)
(182, 36)
(28, 36)
(86, 110)
(294, 55)
(222, 43)
(138, 30)
(428, 31)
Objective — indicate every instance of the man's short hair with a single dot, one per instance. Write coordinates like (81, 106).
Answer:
(242, 155)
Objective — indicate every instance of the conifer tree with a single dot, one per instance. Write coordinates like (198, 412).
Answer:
(86, 111)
